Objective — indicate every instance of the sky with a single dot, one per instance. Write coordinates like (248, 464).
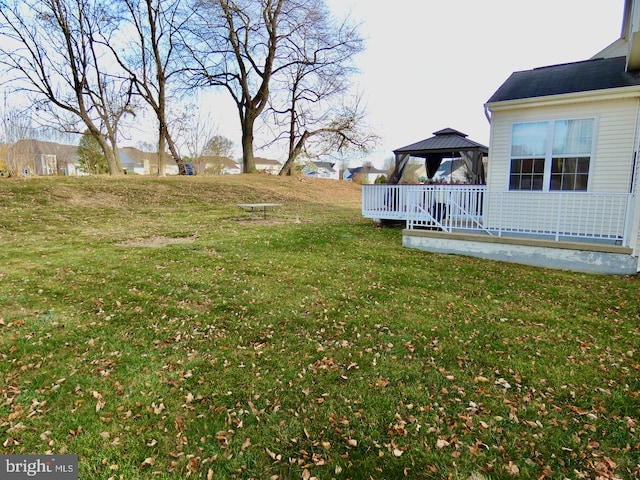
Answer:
(430, 64)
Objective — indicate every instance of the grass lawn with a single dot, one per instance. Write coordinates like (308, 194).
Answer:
(150, 327)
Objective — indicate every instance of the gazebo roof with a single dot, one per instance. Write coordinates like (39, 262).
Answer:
(444, 141)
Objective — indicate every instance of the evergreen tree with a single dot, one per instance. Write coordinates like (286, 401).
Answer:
(91, 156)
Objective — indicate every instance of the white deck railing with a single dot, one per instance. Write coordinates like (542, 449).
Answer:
(556, 215)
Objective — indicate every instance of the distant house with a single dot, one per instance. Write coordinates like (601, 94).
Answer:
(265, 165)
(321, 170)
(366, 174)
(38, 157)
(216, 165)
(140, 162)
(137, 161)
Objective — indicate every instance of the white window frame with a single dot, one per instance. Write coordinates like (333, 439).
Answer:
(548, 155)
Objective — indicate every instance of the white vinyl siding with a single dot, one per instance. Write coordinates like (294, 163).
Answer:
(611, 161)
(612, 154)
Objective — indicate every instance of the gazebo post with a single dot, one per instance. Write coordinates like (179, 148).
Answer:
(401, 162)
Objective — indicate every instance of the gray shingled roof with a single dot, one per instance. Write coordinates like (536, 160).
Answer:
(586, 76)
(447, 140)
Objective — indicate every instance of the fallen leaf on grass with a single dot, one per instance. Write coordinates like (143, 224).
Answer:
(442, 443)
(512, 469)
(274, 457)
(101, 403)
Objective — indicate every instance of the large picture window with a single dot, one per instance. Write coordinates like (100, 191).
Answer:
(554, 155)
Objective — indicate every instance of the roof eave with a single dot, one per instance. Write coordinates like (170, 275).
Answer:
(441, 150)
(550, 100)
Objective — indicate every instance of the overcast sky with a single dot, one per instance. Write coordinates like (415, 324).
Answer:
(433, 64)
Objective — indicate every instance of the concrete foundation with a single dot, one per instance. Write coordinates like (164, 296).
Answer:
(573, 256)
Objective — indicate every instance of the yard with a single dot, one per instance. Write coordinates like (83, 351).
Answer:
(154, 329)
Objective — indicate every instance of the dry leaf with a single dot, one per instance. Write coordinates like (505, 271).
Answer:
(442, 443)
(274, 457)
(192, 465)
(512, 469)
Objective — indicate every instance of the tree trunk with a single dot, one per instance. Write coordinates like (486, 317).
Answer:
(161, 154)
(111, 155)
(248, 161)
(295, 148)
(175, 153)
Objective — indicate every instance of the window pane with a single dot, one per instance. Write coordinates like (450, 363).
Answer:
(568, 182)
(573, 137)
(537, 182)
(529, 139)
(582, 181)
(583, 165)
(539, 165)
(569, 165)
(569, 174)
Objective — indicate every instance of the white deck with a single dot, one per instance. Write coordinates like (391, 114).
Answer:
(557, 216)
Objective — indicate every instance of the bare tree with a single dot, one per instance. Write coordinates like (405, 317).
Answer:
(218, 145)
(311, 100)
(259, 49)
(153, 59)
(49, 45)
(16, 127)
(194, 130)
(238, 48)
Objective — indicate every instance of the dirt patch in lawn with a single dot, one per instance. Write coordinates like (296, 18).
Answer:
(156, 242)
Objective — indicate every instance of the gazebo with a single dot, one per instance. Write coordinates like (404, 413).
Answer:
(446, 143)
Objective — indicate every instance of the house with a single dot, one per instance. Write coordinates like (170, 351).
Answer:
(215, 165)
(134, 160)
(321, 170)
(138, 162)
(366, 174)
(561, 189)
(38, 157)
(265, 165)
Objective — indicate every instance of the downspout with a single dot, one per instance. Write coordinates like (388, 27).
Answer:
(632, 227)
(636, 149)
(487, 113)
